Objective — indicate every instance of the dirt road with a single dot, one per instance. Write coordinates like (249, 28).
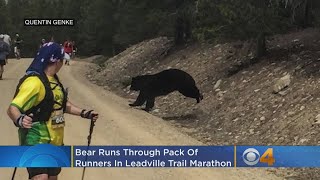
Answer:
(118, 125)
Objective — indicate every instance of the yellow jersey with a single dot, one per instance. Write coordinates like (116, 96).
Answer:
(31, 93)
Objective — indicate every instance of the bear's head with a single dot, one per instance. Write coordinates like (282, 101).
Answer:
(137, 83)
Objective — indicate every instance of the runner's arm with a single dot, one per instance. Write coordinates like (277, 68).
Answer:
(75, 110)
(14, 114)
(24, 100)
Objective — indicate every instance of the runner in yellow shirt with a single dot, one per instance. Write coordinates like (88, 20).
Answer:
(39, 105)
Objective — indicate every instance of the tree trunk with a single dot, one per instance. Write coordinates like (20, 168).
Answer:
(261, 45)
(179, 31)
(307, 14)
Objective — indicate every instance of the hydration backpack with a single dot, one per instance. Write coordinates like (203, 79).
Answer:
(43, 110)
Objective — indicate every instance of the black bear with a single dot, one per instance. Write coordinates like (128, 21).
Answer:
(163, 83)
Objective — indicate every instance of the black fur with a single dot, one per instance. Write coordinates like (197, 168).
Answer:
(163, 83)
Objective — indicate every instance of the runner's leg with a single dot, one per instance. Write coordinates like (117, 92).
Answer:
(1, 71)
(40, 177)
(53, 178)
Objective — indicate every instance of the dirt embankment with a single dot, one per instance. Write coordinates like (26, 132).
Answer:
(239, 105)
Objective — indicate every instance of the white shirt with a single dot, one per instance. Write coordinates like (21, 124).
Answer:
(7, 39)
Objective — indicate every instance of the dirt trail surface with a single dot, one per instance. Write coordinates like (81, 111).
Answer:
(118, 125)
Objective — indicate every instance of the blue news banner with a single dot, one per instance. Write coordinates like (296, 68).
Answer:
(45, 155)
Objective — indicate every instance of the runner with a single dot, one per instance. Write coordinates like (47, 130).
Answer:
(43, 41)
(17, 47)
(39, 105)
(7, 39)
(75, 49)
(68, 48)
(4, 51)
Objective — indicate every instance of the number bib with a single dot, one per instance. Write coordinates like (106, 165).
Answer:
(57, 120)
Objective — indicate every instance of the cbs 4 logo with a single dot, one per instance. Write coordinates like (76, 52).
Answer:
(251, 157)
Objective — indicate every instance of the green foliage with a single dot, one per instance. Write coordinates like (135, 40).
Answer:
(3, 18)
(108, 27)
(96, 28)
(234, 19)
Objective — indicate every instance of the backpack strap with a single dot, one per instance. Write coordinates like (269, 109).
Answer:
(43, 110)
(65, 94)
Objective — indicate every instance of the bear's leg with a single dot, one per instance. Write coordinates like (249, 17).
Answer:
(139, 101)
(150, 104)
(192, 92)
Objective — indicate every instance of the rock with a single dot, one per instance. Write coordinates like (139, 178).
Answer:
(290, 113)
(251, 131)
(220, 94)
(235, 120)
(317, 119)
(298, 67)
(281, 139)
(296, 40)
(303, 141)
(277, 69)
(257, 90)
(283, 93)
(281, 84)
(302, 108)
(263, 118)
(217, 84)
(218, 58)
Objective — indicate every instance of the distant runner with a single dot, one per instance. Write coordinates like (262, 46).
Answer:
(68, 48)
(17, 46)
(43, 41)
(7, 39)
(75, 49)
(4, 51)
